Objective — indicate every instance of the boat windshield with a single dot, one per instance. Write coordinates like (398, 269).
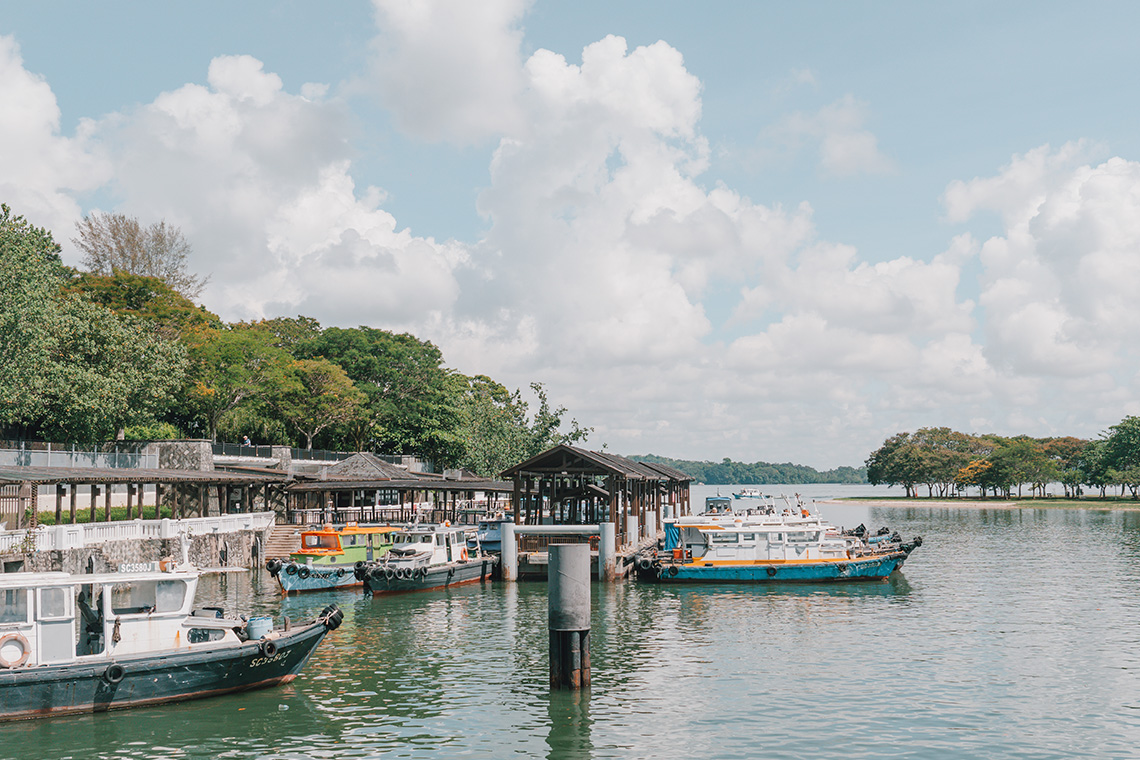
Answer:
(413, 538)
(320, 541)
(147, 596)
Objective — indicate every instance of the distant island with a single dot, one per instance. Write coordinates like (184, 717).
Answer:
(728, 472)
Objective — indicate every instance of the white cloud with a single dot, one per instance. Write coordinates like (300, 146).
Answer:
(846, 147)
(41, 170)
(450, 69)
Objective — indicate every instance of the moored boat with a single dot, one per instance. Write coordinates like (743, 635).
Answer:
(426, 557)
(748, 493)
(89, 643)
(328, 557)
(489, 534)
(761, 548)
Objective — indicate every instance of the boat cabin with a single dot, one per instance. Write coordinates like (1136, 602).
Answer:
(55, 618)
(431, 544)
(763, 538)
(332, 541)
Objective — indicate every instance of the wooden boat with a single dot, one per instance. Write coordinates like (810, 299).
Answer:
(329, 556)
(89, 643)
(426, 557)
(762, 548)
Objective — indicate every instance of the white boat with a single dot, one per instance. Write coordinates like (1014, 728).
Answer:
(425, 557)
(89, 643)
(748, 493)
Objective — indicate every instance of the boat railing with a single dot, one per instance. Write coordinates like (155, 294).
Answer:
(79, 536)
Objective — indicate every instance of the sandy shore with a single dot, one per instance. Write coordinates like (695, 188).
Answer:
(988, 504)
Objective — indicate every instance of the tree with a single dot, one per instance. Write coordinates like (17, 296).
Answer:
(322, 395)
(70, 369)
(116, 242)
(232, 368)
(149, 299)
(412, 405)
(897, 462)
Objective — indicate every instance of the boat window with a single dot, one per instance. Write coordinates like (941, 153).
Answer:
(724, 538)
(147, 596)
(14, 605)
(803, 536)
(202, 635)
(53, 603)
(749, 537)
(318, 541)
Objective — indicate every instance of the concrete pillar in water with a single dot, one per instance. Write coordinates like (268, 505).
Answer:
(509, 552)
(631, 529)
(568, 576)
(607, 552)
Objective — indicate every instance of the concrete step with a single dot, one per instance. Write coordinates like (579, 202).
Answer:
(283, 541)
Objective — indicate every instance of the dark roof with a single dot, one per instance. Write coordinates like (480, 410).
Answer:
(569, 459)
(364, 465)
(81, 475)
(404, 483)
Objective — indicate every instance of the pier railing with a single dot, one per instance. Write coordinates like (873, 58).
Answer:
(80, 536)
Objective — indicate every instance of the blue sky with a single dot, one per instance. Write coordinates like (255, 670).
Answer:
(769, 231)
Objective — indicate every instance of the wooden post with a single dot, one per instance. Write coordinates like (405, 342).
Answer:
(202, 506)
(94, 501)
(130, 499)
(158, 501)
(58, 503)
(107, 503)
(71, 494)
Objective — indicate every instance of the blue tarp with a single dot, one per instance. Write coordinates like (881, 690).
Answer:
(672, 537)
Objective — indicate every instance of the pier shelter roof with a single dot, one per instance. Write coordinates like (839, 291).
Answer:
(120, 475)
(570, 460)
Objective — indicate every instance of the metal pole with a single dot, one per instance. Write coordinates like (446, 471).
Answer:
(509, 553)
(568, 605)
(607, 553)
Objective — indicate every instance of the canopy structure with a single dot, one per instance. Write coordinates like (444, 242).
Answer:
(566, 485)
(365, 488)
(89, 488)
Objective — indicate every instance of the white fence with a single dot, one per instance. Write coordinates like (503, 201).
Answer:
(79, 536)
(60, 456)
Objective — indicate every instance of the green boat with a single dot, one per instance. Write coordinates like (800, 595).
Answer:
(329, 556)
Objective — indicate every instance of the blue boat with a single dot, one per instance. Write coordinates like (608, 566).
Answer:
(489, 534)
(767, 548)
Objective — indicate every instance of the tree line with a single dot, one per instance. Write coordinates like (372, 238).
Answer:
(119, 350)
(728, 472)
(947, 462)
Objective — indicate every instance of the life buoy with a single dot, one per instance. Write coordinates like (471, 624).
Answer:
(14, 660)
(268, 647)
(771, 571)
(114, 673)
(463, 555)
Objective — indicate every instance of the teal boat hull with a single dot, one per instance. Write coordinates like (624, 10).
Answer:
(867, 569)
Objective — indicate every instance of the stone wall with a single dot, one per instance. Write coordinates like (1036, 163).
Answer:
(238, 549)
(183, 455)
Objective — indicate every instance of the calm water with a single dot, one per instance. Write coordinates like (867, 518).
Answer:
(1009, 634)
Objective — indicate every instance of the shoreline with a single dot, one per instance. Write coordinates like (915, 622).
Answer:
(984, 504)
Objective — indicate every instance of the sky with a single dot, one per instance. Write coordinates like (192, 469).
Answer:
(767, 231)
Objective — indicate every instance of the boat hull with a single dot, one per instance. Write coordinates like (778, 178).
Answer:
(142, 680)
(437, 577)
(866, 569)
(316, 577)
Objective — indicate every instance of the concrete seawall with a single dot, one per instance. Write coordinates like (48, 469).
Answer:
(239, 548)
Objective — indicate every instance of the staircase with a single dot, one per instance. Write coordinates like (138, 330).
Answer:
(283, 541)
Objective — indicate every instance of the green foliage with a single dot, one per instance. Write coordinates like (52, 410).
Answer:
(728, 472)
(70, 369)
(411, 398)
(152, 431)
(233, 368)
(321, 395)
(148, 299)
(496, 432)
